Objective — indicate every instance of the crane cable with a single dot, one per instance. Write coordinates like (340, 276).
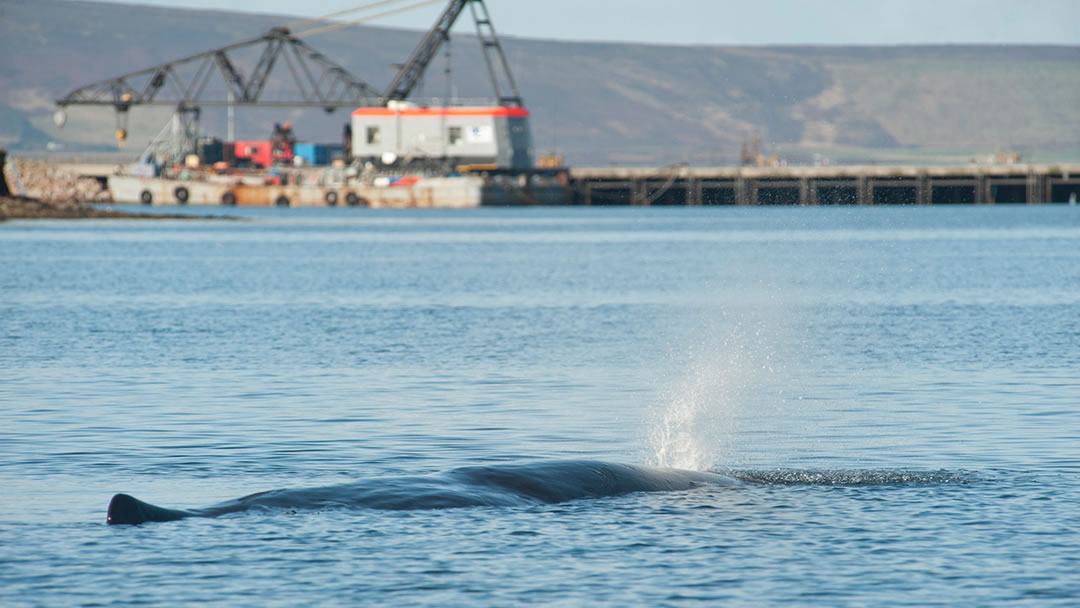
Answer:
(299, 22)
(336, 26)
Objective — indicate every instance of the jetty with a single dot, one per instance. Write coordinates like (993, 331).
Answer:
(829, 185)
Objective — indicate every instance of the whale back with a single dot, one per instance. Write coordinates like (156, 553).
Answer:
(504, 485)
(560, 481)
(125, 509)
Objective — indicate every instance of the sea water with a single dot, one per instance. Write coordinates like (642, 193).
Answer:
(898, 390)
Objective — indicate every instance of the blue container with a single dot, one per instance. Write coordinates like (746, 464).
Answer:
(318, 154)
(305, 151)
(326, 153)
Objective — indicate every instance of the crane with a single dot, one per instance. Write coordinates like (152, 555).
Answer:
(318, 81)
(184, 85)
(412, 70)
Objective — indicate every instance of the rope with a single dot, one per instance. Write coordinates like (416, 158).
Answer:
(336, 26)
(364, 7)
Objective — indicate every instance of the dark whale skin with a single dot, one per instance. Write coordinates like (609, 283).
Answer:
(545, 482)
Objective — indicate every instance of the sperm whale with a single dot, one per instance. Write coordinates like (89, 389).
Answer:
(544, 482)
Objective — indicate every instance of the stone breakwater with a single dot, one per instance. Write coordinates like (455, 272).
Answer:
(49, 191)
(17, 207)
(52, 182)
(53, 193)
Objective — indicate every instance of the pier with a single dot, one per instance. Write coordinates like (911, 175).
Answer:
(840, 185)
(837, 185)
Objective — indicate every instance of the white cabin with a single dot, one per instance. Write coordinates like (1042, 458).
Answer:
(404, 133)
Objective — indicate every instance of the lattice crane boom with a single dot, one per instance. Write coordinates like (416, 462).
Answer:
(318, 81)
(413, 69)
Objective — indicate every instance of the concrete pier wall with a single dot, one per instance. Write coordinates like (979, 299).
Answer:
(867, 185)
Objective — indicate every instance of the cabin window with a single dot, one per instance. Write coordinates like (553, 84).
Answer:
(373, 135)
(454, 135)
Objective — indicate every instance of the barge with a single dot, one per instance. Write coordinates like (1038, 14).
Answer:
(250, 190)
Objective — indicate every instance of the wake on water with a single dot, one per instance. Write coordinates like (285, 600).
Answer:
(851, 477)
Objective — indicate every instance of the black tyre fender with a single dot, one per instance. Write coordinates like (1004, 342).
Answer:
(353, 199)
(228, 199)
(331, 198)
(181, 194)
(282, 201)
(146, 197)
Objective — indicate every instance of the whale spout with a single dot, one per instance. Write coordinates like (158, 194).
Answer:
(125, 509)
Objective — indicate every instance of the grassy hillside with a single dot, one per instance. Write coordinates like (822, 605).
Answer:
(596, 103)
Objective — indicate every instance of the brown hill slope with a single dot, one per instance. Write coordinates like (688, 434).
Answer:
(596, 103)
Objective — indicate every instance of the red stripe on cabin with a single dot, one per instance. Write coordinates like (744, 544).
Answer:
(501, 112)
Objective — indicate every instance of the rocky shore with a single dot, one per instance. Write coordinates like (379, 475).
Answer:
(49, 191)
(18, 207)
(51, 182)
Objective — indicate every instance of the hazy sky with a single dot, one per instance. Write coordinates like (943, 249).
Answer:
(732, 21)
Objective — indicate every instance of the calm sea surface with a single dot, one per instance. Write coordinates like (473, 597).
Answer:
(898, 390)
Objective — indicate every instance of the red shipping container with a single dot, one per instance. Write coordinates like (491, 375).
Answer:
(257, 152)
